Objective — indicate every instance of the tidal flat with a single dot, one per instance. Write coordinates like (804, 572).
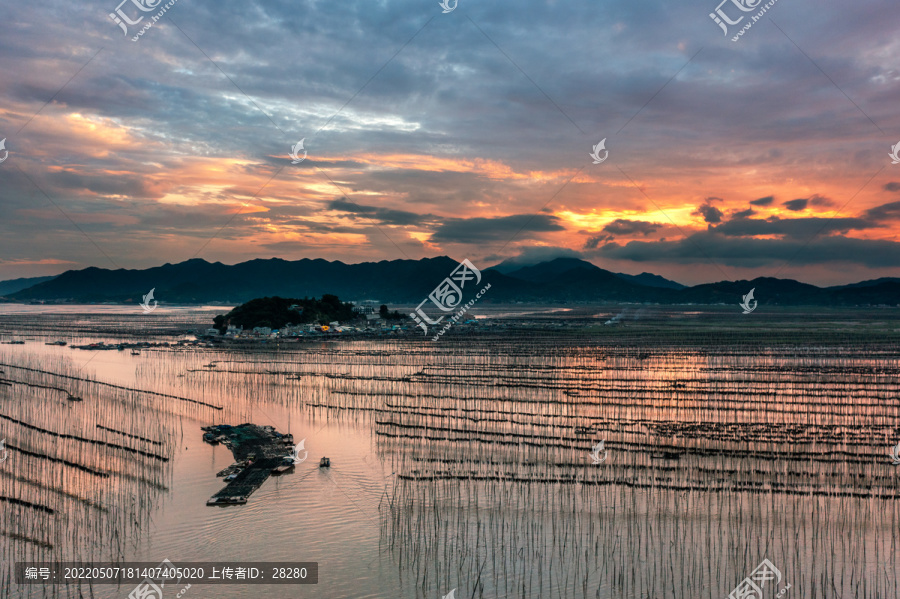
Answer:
(470, 463)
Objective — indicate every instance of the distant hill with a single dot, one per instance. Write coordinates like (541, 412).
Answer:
(410, 281)
(869, 283)
(543, 272)
(651, 280)
(14, 285)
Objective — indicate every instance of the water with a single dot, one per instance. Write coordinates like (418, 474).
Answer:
(466, 463)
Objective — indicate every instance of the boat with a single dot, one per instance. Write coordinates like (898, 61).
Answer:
(60, 343)
(135, 352)
(74, 398)
(325, 463)
(665, 455)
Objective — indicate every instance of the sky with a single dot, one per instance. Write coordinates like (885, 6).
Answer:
(465, 133)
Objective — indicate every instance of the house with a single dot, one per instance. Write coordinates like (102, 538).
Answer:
(365, 307)
(212, 332)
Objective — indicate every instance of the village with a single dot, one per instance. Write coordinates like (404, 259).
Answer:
(368, 320)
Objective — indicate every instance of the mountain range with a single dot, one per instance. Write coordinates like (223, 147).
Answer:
(562, 280)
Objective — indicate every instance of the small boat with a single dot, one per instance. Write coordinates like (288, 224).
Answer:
(325, 463)
(59, 343)
(135, 352)
(665, 455)
(73, 398)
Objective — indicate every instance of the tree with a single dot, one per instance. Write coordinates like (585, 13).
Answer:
(388, 315)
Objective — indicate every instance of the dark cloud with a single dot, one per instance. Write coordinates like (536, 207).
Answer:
(382, 215)
(503, 228)
(593, 242)
(820, 201)
(621, 226)
(892, 186)
(708, 247)
(744, 213)
(796, 205)
(123, 185)
(763, 201)
(888, 211)
(710, 214)
(794, 228)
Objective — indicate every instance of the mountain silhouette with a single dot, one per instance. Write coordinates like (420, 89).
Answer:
(562, 280)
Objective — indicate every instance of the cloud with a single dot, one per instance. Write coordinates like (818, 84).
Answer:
(796, 205)
(383, 215)
(711, 247)
(710, 214)
(744, 213)
(763, 201)
(892, 186)
(820, 201)
(794, 228)
(888, 211)
(593, 242)
(502, 228)
(621, 226)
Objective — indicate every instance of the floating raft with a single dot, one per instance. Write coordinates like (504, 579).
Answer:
(259, 451)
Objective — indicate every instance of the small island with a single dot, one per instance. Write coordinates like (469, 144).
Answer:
(283, 313)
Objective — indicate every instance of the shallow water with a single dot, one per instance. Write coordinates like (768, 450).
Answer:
(467, 466)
